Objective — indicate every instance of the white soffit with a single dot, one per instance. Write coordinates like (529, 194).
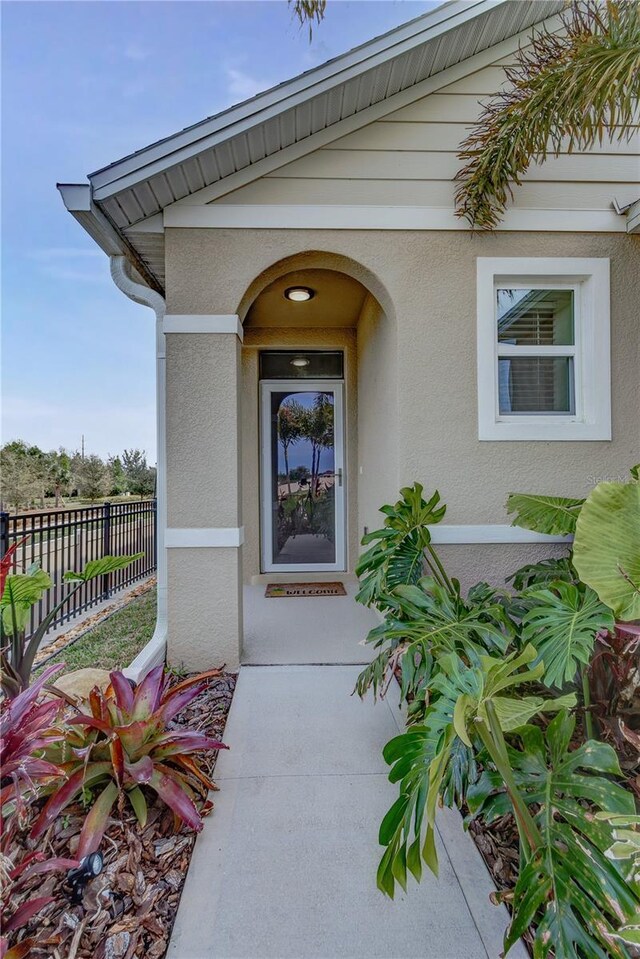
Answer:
(143, 184)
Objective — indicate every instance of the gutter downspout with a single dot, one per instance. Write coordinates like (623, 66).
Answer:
(154, 652)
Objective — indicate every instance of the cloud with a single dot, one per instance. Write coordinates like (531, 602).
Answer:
(135, 51)
(243, 85)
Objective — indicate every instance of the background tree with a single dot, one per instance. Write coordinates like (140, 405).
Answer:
(319, 432)
(140, 477)
(290, 429)
(57, 466)
(19, 480)
(118, 478)
(566, 92)
(91, 477)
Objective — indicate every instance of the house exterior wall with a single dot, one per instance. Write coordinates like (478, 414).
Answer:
(415, 414)
(409, 158)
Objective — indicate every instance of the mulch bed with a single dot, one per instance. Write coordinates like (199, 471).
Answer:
(129, 909)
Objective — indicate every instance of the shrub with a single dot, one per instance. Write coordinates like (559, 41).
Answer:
(127, 744)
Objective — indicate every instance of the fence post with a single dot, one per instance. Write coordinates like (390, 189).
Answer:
(106, 548)
(4, 533)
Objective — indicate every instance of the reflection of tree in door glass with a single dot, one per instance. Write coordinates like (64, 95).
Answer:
(305, 528)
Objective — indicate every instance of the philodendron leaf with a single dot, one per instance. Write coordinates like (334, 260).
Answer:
(513, 713)
(569, 891)
(563, 625)
(606, 549)
(553, 515)
(100, 567)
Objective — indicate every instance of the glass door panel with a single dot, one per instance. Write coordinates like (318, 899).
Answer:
(302, 476)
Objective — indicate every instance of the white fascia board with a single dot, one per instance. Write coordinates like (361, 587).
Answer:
(157, 157)
(361, 217)
(203, 323)
(78, 201)
(342, 128)
(490, 533)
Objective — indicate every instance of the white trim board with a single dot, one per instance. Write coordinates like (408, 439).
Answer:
(214, 536)
(490, 533)
(203, 323)
(363, 217)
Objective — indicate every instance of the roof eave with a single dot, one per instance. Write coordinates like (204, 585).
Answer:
(78, 200)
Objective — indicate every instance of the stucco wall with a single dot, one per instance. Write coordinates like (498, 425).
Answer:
(377, 414)
(428, 282)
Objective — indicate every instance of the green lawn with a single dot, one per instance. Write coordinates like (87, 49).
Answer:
(114, 643)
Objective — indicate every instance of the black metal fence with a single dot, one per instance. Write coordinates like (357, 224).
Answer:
(67, 539)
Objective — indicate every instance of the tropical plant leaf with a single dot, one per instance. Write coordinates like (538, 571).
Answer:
(552, 515)
(563, 625)
(568, 89)
(572, 894)
(606, 549)
(21, 592)
(100, 567)
(547, 571)
(397, 556)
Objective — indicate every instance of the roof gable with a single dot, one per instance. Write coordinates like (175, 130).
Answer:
(266, 126)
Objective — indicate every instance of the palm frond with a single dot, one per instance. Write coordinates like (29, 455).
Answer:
(308, 11)
(568, 91)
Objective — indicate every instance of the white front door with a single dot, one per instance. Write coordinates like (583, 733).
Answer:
(303, 479)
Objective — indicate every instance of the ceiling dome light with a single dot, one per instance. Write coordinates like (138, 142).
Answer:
(299, 294)
(300, 361)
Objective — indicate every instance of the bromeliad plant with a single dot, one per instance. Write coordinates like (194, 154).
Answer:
(19, 592)
(478, 670)
(127, 744)
(27, 728)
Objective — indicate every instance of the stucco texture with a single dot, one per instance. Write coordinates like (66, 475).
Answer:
(414, 413)
(204, 608)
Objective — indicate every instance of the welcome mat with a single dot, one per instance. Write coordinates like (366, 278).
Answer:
(305, 589)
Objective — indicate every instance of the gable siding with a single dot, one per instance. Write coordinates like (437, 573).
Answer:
(409, 158)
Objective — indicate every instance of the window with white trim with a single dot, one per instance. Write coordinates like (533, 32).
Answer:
(543, 348)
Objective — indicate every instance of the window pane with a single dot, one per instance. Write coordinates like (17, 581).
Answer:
(301, 364)
(535, 317)
(536, 384)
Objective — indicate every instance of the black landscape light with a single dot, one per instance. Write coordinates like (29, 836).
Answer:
(78, 877)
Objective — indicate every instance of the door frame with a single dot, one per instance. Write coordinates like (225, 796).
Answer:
(267, 387)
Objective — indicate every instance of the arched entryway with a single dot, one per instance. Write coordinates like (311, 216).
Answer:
(319, 428)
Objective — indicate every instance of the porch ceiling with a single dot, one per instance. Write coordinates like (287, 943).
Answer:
(337, 302)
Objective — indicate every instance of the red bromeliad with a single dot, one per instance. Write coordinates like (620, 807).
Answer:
(126, 743)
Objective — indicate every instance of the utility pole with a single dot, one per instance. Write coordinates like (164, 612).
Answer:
(82, 453)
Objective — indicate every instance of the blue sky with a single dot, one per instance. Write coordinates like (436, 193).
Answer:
(84, 83)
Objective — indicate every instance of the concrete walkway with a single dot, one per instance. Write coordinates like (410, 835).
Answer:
(292, 630)
(285, 867)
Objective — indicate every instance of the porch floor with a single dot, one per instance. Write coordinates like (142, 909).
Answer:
(301, 630)
(285, 866)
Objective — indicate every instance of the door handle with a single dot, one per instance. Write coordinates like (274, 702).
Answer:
(339, 475)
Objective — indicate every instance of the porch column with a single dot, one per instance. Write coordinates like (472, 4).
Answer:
(204, 523)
